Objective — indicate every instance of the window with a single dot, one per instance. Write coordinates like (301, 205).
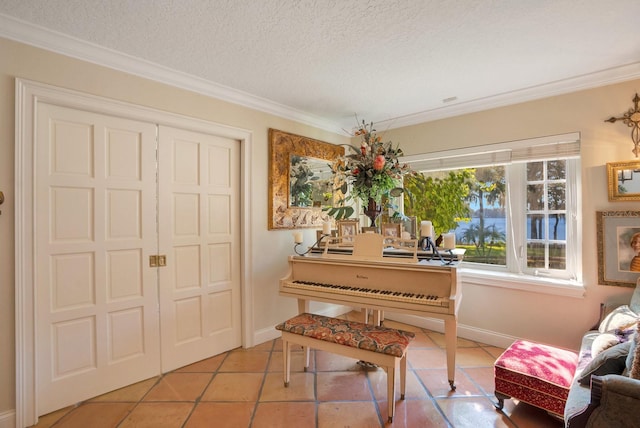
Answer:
(546, 211)
(523, 205)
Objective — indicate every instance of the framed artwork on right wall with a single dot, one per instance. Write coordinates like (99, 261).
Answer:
(618, 247)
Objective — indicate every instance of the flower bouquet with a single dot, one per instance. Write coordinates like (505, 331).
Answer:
(372, 171)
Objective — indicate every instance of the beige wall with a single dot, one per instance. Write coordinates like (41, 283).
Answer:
(547, 318)
(552, 319)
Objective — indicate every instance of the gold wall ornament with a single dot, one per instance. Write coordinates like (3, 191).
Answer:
(631, 118)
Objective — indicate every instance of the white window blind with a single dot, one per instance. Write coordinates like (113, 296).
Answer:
(565, 146)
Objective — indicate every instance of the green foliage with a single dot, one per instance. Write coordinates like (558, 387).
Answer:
(440, 200)
(339, 213)
(300, 179)
(488, 184)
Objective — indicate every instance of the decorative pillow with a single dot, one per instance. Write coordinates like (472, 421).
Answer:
(602, 342)
(621, 318)
(610, 361)
(633, 358)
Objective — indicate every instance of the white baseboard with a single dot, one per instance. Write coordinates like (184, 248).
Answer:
(265, 335)
(465, 331)
(8, 419)
(271, 333)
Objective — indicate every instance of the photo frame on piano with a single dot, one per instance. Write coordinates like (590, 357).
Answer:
(410, 224)
(391, 229)
(368, 230)
(347, 229)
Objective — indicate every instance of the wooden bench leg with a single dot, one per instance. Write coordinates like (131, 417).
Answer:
(286, 357)
(403, 375)
(391, 384)
(391, 390)
(306, 350)
(501, 397)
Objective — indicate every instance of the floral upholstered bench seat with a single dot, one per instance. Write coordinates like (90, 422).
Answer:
(385, 347)
(540, 375)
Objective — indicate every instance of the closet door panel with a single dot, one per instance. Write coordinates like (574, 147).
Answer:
(96, 296)
(200, 235)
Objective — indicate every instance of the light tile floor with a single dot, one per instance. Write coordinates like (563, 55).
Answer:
(244, 388)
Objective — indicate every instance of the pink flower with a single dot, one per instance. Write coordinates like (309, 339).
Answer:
(363, 149)
(378, 163)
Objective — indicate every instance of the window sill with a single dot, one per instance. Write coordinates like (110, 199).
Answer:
(529, 283)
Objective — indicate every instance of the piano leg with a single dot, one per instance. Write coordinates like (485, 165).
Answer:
(451, 338)
(303, 306)
(377, 317)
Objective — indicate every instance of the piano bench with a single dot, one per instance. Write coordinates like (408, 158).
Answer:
(385, 347)
(540, 375)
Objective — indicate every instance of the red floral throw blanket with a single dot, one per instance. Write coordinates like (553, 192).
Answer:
(350, 333)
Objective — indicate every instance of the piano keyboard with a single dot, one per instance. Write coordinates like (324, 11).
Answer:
(398, 296)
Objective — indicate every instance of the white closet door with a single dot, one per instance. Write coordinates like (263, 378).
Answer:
(199, 233)
(96, 297)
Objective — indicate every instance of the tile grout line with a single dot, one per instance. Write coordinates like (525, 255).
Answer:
(315, 385)
(199, 397)
(375, 402)
(432, 399)
(264, 379)
(488, 396)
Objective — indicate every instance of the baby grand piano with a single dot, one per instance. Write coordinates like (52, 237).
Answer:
(383, 274)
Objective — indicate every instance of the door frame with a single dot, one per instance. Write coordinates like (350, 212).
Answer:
(28, 95)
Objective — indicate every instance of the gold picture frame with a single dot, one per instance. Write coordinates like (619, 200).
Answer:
(347, 229)
(281, 146)
(393, 230)
(623, 181)
(615, 230)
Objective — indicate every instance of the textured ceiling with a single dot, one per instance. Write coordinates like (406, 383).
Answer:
(394, 61)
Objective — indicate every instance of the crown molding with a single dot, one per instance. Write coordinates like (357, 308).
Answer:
(40, 37)
(27, 33)
(587, 81)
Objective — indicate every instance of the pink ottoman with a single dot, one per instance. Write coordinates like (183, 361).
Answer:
(536, 374)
